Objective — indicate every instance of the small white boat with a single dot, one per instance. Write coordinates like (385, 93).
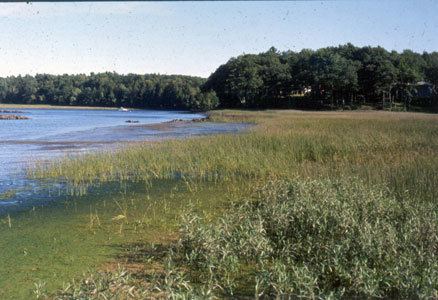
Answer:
(123, 109)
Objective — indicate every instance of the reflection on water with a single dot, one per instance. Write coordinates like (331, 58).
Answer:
(54, 133)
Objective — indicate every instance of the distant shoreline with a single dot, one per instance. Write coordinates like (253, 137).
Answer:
(47, 106)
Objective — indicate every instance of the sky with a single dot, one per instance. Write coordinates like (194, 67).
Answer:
(194, 38)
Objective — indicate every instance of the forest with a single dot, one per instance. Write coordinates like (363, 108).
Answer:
(344, 77)
(109, 90)
(332, 77)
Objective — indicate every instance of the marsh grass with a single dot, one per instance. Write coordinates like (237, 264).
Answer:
(347, 205)
(398, 149)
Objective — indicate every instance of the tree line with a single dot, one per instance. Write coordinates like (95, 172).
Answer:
(109, 90)
(345, 76)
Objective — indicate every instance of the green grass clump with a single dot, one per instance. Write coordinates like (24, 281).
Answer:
(118, 284)
(7, 195)
(313, 239)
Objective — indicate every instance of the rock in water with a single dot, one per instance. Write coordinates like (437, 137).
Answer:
(13, 117)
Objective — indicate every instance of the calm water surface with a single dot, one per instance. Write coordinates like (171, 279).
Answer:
(53, 133)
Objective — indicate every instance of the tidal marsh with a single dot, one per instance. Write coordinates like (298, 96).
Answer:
(380, 147)
(361, 184)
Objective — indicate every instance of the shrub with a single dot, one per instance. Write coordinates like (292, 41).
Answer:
(316, 239)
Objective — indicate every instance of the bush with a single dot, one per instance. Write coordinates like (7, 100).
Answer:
(203, 101)
(315, 239)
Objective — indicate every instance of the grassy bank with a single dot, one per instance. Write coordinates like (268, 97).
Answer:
(326, 204)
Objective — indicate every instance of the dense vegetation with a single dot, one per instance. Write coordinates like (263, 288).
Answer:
(344, 76)
(334, 77)
(108, 89)
(311, 239)
(344, 205)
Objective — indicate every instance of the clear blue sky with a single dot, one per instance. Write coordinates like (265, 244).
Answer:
(194, 38)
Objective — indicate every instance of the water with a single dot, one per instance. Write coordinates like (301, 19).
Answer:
(54, 133)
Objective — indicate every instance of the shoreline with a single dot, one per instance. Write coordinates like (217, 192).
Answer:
(47, 106)
(8, 106)
(140, 134)
(162, 127)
